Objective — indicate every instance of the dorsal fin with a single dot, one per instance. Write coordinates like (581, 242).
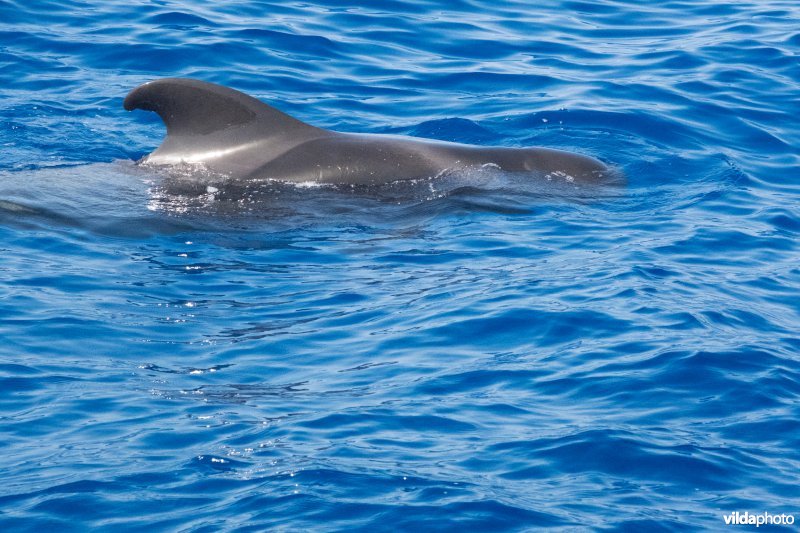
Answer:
(194, 107)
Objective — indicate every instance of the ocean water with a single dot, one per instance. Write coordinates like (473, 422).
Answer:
(477, 351)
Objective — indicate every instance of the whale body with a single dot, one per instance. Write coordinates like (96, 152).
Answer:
(236, 135)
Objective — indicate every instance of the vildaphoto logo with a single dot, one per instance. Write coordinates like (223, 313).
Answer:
(763, 519)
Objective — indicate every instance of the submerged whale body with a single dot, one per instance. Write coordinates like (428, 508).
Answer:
(239, 136)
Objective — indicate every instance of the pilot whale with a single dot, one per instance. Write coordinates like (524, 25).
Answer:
(236, 135)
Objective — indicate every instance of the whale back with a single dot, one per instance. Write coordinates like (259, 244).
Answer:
(229, 132)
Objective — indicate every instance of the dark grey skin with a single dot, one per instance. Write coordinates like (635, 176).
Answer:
(241, 137)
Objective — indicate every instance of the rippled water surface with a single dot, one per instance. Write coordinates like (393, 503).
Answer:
(477, 351)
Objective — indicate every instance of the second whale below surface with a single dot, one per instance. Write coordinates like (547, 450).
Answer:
(236, 135)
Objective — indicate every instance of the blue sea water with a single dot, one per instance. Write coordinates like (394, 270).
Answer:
(475, 352)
